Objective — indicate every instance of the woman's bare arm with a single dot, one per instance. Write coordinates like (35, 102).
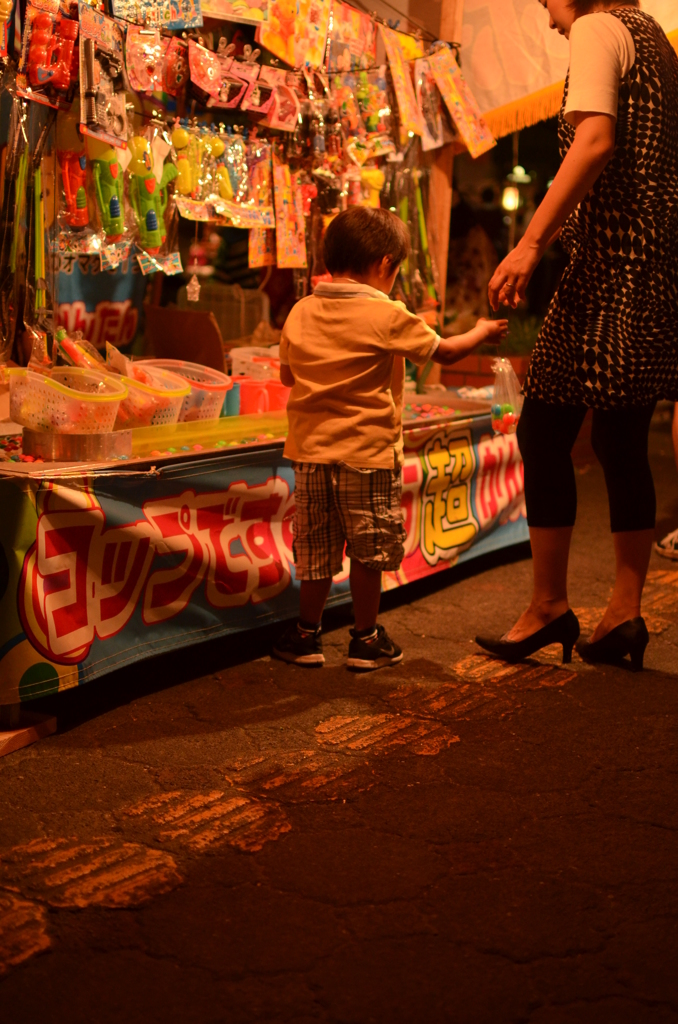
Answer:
(583, 164)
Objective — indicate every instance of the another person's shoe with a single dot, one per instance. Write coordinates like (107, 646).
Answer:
(377, 650)
(300, 647)
(630, 638)
(563, 630)
(668, 547)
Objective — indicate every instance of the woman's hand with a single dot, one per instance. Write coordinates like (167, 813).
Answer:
(512, 276)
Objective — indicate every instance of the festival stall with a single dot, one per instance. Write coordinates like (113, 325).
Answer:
(146, 504)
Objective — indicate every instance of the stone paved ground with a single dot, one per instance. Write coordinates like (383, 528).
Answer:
(214, 837)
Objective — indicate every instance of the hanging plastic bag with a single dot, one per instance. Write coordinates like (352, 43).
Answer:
(507, 402)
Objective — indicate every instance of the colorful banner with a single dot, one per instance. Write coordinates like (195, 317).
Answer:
(100, 570)
(106, 305)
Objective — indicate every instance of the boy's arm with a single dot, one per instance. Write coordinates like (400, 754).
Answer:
(286, 376)
(485, 332)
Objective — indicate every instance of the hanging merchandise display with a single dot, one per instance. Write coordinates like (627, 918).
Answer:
(168, 123)
(460, 102)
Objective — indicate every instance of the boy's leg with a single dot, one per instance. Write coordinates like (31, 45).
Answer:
(318, 555)
(369, 506)
(366, 594)
(312, 599)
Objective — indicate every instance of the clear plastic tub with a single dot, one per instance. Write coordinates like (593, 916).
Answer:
(208, 388)
(257, 363)
(67, 401)
(153, 402)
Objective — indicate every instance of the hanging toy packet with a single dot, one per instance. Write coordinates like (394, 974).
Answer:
(48, 66)
(103, 113)
(507, 402)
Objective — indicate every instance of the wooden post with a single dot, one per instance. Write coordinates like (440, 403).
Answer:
(440, 187)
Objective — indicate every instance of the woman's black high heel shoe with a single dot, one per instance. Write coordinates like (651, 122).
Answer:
(563, 630)
(630, 638)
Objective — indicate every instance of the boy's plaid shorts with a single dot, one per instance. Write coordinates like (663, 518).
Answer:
(337, 505)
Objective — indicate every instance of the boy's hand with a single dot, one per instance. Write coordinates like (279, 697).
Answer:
(485, 332)
(490, 332)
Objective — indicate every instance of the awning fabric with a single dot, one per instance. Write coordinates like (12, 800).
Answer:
(516, 66)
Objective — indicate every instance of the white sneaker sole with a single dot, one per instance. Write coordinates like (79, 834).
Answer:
(367, 665)
(310, 660)
(669, 553)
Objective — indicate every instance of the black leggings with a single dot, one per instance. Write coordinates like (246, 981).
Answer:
(546, 435)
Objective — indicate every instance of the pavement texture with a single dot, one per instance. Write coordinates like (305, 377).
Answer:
(216, 837)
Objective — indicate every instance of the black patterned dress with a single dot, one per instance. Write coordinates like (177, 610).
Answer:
(610, 337)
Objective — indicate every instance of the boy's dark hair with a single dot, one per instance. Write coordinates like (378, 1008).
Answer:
(362, 236)
(584, 6)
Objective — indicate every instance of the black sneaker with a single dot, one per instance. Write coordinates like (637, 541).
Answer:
(365, 655)
(300, 648)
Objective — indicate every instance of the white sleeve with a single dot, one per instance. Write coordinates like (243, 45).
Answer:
(602, 53)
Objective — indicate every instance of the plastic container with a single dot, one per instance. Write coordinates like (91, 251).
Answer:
(507, 401)
(208, 388)
(232, 401)
(278, 394)
(253, 396)
(67, 401)
(152, 404)
(258, 363)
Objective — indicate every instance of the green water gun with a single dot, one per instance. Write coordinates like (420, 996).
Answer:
(147, 196)
(107, 176)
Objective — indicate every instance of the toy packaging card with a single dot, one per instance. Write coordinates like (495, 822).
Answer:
(152, 13)
(185, 14)
(148, 179)
(102, 88)
(48, 69)
(144, 57)
(408, 110)
(284, 112)
(214, 78)
(261, 250)
(296, 31)
(289, 216)
(429, 102)
(247, 11)
(352, 41)
(461, 103)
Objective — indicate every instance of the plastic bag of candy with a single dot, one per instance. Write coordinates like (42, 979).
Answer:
(507, 402)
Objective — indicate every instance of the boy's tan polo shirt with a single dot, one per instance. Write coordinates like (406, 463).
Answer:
(346, 346)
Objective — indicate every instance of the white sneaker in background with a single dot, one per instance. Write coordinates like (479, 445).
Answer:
(668, 547)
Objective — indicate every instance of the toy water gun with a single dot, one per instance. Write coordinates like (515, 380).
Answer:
(148, 198)
(73, 168)
(373, 179)
(50, 54)
(107, 175)
(189, 161)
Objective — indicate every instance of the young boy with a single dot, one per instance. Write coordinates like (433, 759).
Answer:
(342, 353)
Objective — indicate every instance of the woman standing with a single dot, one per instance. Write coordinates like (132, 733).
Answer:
(610, 338)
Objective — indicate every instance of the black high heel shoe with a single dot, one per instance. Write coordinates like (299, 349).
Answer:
(630, 638)
(563, 630)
